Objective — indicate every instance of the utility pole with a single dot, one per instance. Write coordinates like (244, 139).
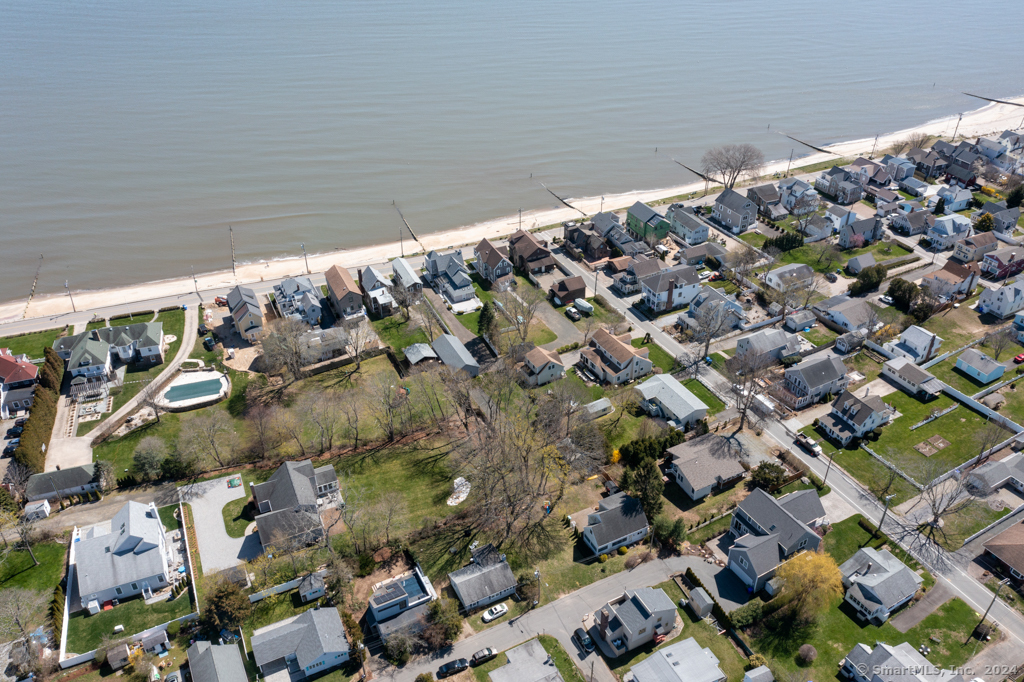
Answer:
(828, 469)
(888, 499)
(790, 162)
(1002, 582)
(872, 155)
(231, 234)
(73, 309)
(957, 127)
(306, 258)
(194, 281)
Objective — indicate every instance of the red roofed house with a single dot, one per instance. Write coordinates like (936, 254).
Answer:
(18, 379)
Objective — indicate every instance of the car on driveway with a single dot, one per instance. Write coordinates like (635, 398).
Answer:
(572, 314)
(15, 431)
(482, 656)
(583, 640)
(886, 300)
(831, 277)
(21, 422)
(494, 612)
(452, 667)
(1019, 359)
(220, 300)
(173, 677)
(705, 274)
(715, 276)
(9, 450)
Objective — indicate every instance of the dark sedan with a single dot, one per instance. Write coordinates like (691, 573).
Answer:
(452, 667)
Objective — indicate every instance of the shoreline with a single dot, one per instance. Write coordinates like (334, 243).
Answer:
(987, 119)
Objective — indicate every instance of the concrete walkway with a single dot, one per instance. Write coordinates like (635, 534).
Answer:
(187, 344)
(217, 549)
(456, 327)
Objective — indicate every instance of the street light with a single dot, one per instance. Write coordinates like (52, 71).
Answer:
(70, 296)
(536, 574)
(305, 256)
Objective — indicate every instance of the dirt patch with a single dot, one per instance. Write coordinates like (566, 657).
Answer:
(938, 442)
(925, 449)
(333, 522)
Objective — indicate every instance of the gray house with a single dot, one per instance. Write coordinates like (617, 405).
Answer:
(298, 299)
(858, 263)
(453, 353)
(812, 380)
(702, 464)
(303, 645)
(449, 273)
(769, 531)
(799, 320)
(685, 661)
(246, 313)
(877, 583)
(487, 580)
(405, 276)
(216, 662)
(734, 210)
(618, 521)
(790, 277)
(288, 504)
(61, 483)
(774, 343)
(311, 587)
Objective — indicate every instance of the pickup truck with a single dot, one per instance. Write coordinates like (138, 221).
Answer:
(808, 444)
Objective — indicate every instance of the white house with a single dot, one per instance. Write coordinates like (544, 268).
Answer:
(846, 313)
(916, 344)
(911, 378)
(486, 580)
(542, 366)
(670, 289)
(839, 216)
(852, 417)
(613, 359)
(975, 247)
(798, 197)
(122, 558)
(663, 396)
(307, 644)
(685, 661)
(949, 229)
(705, 463)
(618, 521)
(635, 618)
(953, 279)
(955, 199)
(790, 277)
(811, 380)
(35, 511)
(886, 663)
(91, 353)
(684, 223)
(1002, 302)
(877, 583)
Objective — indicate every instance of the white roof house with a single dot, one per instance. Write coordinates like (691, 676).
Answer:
(685, 661)
(665, 397)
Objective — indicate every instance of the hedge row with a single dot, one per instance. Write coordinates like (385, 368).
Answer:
(716, 610)
(129, 316)
(35, 439)
(57, 611)
(170, 308)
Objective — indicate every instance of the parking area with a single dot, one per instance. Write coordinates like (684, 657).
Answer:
(9, 436)
(217, 549)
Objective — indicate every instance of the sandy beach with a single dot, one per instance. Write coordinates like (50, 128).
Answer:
(992, 118)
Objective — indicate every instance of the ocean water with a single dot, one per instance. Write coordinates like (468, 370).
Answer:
(132, 134)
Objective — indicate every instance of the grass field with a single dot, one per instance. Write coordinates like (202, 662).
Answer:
(819, 335)
(137, 376)
(705, 396)
(395, 332)
(862, 466)
(32, 344)
(18, 570)
(959, 326)
(657, 355)
(948, 372)
(85, 632)
(807, 254)
(860, 362)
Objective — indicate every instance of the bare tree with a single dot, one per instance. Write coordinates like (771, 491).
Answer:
(323, 413)
(918, 140)
(731, 162)
(361, 338)
(746, 375)
(710, 320)
(424, 315)
(743, 258)
(148, 397)
(990, 436)
(26, 527)
(351, 408)
(20, 611)
(771, 256)
(392, 508)
(520, 308)
(938, 501)
(8, 522)
(264, 425)
(898, 147)
(16, 478)
(292, 425)
(457, 386)
(563, 408)
(431, 398)
(688, 363)
(383, 404)
(283, 348)
(590, 325)
(210, 436)
(404, 298)
(827, 252)
(802, 296)
(999, 341)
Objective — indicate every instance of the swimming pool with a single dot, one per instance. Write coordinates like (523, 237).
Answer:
(191, 391)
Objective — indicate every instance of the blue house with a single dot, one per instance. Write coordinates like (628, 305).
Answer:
(979, 366)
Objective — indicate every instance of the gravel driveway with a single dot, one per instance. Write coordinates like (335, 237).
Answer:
(217, 549)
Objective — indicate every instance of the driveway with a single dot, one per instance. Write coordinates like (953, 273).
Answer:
(218, 549)
(560, 325)
(933, 599)
(65, 453)
(453, 324)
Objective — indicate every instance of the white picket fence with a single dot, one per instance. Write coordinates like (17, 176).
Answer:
(278, 589)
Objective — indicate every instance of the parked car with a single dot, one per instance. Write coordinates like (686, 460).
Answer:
(15, 431)
(9, 450)
(572, 314)
(583, 640)
(202, 330)
(808, 444)
(482, 656)
(173, 677)
(220, 300)
(705, 274)
(715, 276)
(452, 667)
(886, 300)
(14, 442)
(495, 612)
(209, 343)
(21, 422)
(1019, 359)
(831, 277)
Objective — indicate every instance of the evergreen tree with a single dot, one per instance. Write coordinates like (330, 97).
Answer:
(940, 207)
(1015, 197)
(645, 484)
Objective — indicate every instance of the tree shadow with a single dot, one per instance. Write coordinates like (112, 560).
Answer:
(782, 634)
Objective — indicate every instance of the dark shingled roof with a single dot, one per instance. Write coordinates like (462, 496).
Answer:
(488, 575)
(621, 516)
(65, 479)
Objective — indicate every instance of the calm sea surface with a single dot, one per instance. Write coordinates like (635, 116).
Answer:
(133, 133)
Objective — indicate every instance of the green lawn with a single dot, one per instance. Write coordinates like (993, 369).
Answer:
(819, 335)
(967, 522)
(713, 529)
(806, 254)
(564, 665)
(726, 285)
(137, 376)
(237, 514)
(32, 344)
(18, 570)
(1011, 595)
(865, 365)
(679, 505)
(601, 314)
(897, 442)
(96, 324)
(755, 239)
(956, 326)
(705, 396)
(657, 355)
(85, 632)
(729, 659)
(167, 517)
(837, 631)
(395, 332)
(862, 466)
(539, 332)
(846, 537)
(948, 372)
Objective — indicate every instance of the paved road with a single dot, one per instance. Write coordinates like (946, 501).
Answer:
(218, 550)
